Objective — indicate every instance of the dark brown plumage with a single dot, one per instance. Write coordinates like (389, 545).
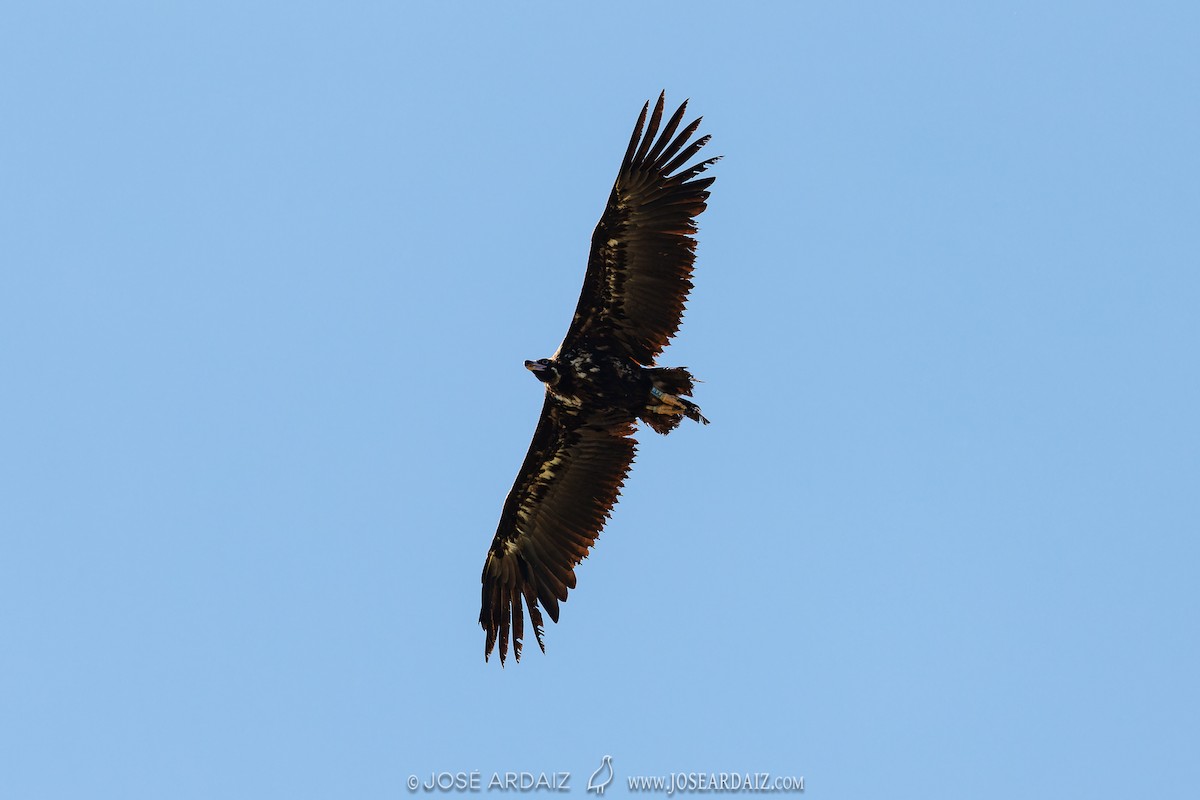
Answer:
(600, 382)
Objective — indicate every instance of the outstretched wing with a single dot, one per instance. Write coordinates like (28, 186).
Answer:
(640, 266)
(562, 496)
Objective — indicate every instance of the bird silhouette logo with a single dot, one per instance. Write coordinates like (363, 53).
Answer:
(602, 777)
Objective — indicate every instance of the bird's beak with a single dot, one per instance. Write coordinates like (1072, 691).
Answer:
(535, 367)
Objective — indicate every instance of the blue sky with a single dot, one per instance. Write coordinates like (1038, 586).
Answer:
(268, 274)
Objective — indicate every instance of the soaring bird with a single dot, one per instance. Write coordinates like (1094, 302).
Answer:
(601, 381)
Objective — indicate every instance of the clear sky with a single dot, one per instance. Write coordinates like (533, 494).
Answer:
(268, 273)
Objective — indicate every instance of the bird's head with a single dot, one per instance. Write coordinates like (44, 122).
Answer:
(544, 370)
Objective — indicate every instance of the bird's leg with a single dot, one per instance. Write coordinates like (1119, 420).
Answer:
(665, 409)
(671, 403)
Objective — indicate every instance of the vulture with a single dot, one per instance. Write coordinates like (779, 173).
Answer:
(602, 380)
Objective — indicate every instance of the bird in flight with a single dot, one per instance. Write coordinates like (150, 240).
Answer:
(601, 381)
